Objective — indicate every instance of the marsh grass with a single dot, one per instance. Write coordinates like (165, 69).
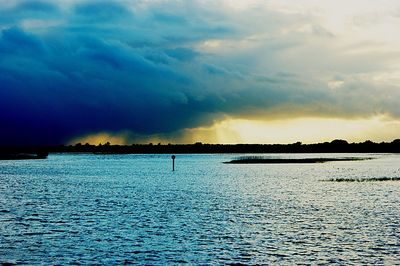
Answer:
(377, 179)
(251, 157)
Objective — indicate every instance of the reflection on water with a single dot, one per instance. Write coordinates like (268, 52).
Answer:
(132, 208)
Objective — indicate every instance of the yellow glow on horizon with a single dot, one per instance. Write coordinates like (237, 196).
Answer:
(234, 130)
(306, 130)
(101, 137)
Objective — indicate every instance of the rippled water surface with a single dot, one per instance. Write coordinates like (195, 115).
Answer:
(114, 209)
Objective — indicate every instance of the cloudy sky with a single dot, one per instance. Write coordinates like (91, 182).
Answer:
(213, 71)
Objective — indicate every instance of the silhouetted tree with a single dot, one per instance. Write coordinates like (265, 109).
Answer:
(339, 142)
(396, 142)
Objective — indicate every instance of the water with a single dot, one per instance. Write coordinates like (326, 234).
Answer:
(115, 209)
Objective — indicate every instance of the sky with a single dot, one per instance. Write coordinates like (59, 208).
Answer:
(185, 71)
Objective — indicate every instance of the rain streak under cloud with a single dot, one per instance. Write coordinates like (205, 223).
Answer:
(166, 69)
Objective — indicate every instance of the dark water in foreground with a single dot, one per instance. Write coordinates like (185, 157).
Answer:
(132, 209)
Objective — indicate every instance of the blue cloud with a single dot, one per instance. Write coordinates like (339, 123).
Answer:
(15, 12)
(164, 17)
(36, 6)
(16, 40)
(102, 11)
(182, 54)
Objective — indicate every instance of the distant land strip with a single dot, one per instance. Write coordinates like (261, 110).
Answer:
(335, 146)
(256, 160)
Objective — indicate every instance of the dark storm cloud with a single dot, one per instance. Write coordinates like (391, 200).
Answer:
(81, 67)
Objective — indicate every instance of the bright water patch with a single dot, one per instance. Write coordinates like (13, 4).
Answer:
(114, 209)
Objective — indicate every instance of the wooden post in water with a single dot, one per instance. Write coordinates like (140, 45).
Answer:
(173, 162)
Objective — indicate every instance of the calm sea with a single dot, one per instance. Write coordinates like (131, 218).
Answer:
(116, 209)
